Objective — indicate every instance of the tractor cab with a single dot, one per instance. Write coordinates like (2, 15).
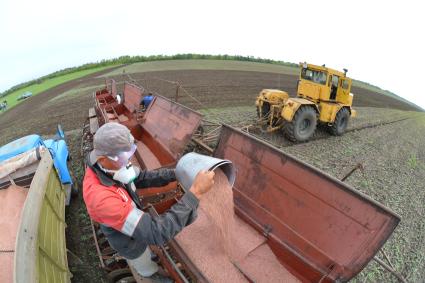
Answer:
(319, 83)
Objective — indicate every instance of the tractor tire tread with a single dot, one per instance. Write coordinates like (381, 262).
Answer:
(334, 128)
(289, 128)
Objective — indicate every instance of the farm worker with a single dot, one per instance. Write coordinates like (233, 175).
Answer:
(109, 191)
(146, 100)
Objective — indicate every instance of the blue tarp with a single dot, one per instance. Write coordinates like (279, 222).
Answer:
(59, 152)
(19, 146)
(57, 147)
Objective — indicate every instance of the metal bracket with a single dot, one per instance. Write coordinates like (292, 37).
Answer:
(266, 230)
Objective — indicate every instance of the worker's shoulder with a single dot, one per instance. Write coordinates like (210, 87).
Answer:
(94, 190)
(90, 180)
(98, 195)
(90, 177)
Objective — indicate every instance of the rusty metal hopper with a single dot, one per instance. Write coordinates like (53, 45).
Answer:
(161, 133)
(111, 86)
(132, 97)
(321, 229)
(169, 126)
(12, 200)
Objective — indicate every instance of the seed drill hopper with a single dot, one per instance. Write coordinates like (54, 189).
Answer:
(319, 229)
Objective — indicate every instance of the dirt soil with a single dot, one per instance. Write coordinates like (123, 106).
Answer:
(215, 88)
(386, 138)
(68, 103)
(41, 113)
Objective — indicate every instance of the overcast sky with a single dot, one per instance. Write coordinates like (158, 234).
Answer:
(380, 42)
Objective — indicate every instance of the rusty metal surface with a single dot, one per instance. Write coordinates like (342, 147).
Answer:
(112, 87)
(161, 198)
(107, 107)
(171, 124)
(11, 202)
(187, 264)
(162, 133)
(167, 264)
(132, 97)
(99, 253)
(109, 88)
(319, 227)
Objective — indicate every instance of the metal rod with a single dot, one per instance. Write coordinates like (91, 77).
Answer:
(387, 258)
(188, 265)
(176, 268)
(358, 166)
(218, 128)
(250, 280)
(388, 268)
(75, 256)
(177, 91)
(97, 245)
(203, 145)
(204, 121)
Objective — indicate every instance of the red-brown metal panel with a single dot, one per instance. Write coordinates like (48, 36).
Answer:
(319, 227)
(132, 97)
(162, 132)
(171, 124)
(113, 88)
(12, 200)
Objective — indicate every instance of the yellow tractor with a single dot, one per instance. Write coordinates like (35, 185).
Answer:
(323, 95)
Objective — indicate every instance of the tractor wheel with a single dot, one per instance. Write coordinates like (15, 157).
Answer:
(341, 122)
(118, 274)
(303, 125)
(129, 279)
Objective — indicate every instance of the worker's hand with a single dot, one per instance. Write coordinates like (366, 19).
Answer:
(203, 183)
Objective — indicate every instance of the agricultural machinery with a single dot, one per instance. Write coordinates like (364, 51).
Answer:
(323, 95)
(3, 105)
(35, 185)
(318, 228)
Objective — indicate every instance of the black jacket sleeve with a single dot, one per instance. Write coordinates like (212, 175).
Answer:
(154, 178)
(158, 230)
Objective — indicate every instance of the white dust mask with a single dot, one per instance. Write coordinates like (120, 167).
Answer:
(125, 175)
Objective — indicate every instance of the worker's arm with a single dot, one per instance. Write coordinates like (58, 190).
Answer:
(141, 226)
(149, 230)
(160, 229)
(154, 178)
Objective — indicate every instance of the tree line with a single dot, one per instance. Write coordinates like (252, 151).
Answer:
(123, 60)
